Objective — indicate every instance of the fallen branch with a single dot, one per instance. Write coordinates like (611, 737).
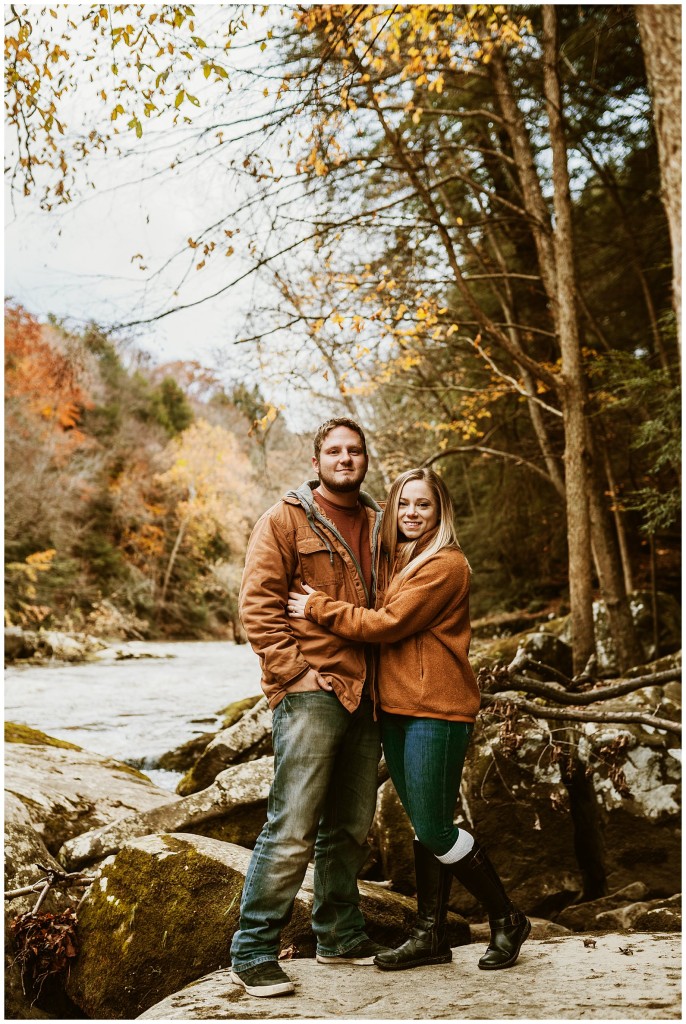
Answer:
(53, 878)
(545, 711)
(498, 684)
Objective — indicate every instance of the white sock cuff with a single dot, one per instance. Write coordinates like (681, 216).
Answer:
(461, 847)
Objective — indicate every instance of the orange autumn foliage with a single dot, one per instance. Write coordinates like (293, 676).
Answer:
(44, 389)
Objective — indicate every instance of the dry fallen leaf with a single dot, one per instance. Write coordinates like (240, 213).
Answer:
(590, 942)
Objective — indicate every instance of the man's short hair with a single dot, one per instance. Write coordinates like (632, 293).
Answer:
(325, 429)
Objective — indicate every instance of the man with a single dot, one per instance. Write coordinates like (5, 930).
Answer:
(326, 742)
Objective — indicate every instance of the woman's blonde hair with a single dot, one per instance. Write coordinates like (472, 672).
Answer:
(445, 534)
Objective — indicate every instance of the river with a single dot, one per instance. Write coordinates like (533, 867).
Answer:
(134, 709)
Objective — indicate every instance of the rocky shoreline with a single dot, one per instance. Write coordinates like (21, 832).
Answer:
(583, 824)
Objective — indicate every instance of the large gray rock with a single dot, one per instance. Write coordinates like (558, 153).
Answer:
(48, 644)
(67, 791)
(235, 801)
(595, 806)
(246, 740)
(184, 757)
(558, 654)
(640, 603)
(24, 852)
(514, 800)
(392, 837)
(581, 917)
(660, 915)
(26, 857)
(635, 774)
(162, 913)
(615, 976)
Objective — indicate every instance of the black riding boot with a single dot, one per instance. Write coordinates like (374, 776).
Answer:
(509, 926)
(428, 943)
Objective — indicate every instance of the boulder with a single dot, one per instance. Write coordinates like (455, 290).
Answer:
(603, 797)
(26, 857)
(392, 837)
(635, 775)
(184, 757)
(669, 629)
(504, 648)
(515, 802)
(581, 917)
(238, 797)
(162, 913)
(48, 644)
(67, 790)
(549, 649)
(25, 852)
(560, 977)
(235, 711)
(660, 915)
(249, 738)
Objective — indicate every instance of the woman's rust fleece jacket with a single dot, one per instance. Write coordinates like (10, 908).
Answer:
(424, 632)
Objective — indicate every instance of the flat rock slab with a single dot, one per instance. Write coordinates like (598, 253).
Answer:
(557, 978)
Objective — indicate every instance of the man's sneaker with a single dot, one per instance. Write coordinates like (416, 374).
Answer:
(362, 954)
(266, 979)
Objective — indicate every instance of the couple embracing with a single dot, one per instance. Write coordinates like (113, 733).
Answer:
(361, 623)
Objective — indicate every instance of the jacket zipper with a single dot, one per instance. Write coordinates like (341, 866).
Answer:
(375, 531)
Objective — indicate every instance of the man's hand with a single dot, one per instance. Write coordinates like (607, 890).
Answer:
(312, 680)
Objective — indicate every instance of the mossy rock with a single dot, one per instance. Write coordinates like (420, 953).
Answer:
(232, 712)
(161, 914)
(247, 737)
(183, 758)
(17, 732)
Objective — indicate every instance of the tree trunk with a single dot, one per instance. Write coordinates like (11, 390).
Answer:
(620, 621)
(577, 456)
(660, 29)
(172, 559)
(619, 526)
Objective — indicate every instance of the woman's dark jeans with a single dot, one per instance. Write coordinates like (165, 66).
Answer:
(425, 758)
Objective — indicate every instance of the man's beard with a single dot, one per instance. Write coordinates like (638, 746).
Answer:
(343, 486)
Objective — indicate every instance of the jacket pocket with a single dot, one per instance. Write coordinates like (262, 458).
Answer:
(319, 566)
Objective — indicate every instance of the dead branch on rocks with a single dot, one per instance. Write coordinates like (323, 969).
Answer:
(498, 680)
(544, 711)
(52, 879)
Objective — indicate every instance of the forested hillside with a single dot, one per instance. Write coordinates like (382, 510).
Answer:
(459, 221)
(131, 489)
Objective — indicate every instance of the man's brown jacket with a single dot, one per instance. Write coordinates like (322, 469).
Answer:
(294, 543)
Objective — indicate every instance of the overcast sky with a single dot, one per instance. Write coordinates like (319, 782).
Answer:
(94, 258)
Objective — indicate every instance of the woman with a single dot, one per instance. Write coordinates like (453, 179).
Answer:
(429, 699)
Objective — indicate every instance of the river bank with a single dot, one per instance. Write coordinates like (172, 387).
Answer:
(137, 700)
(150, 853)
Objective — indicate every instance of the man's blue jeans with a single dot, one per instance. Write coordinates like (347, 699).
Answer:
(425, 757)
(321, 803)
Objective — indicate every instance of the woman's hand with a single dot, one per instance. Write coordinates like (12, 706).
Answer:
(296, 602)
